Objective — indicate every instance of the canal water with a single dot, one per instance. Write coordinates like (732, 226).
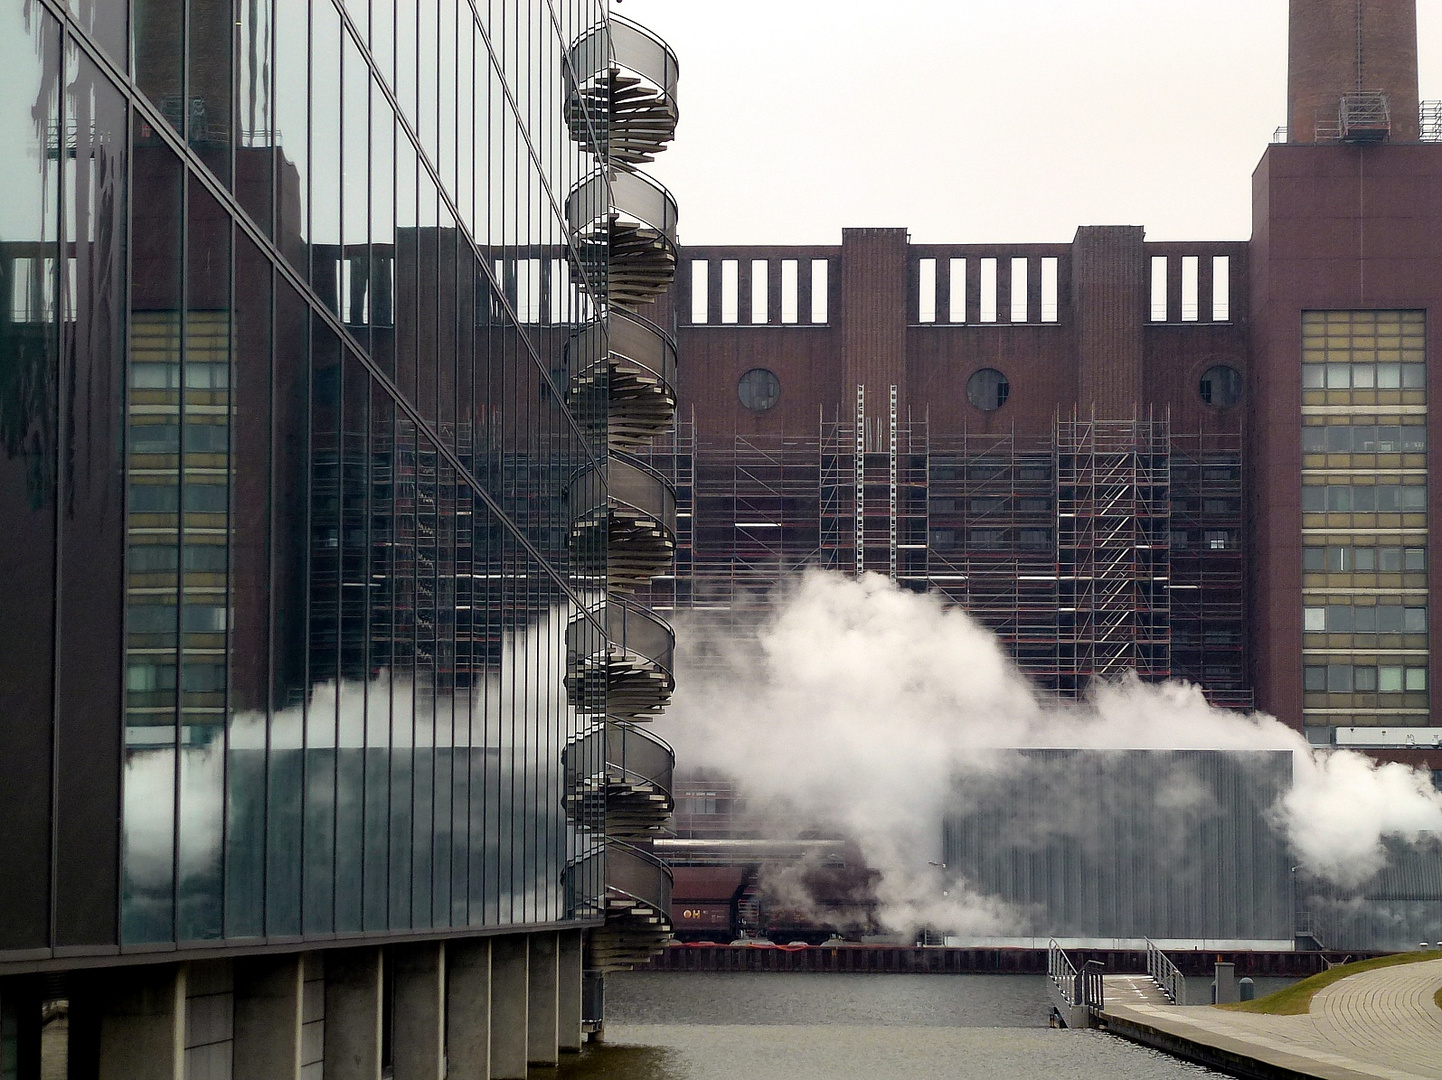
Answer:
(702, 1026)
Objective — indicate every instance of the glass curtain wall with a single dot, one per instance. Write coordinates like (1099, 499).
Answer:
(286, 476)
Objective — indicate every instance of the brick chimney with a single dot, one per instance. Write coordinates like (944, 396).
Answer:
(1339, 47)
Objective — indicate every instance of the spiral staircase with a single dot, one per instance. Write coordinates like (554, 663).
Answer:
(621, 108)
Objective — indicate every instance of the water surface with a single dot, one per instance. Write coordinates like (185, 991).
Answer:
(753, 1026)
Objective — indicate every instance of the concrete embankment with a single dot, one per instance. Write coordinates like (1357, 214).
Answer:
(1377, 1024)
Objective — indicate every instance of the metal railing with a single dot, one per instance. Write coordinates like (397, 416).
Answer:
(631, 338)
(1166, 974)
(638, 875)
(630, 195)
(634, 754)
(1082, 987)
(626, 45)
(630, 483)
(629, 627)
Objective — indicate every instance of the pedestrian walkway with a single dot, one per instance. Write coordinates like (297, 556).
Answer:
(1132, 990)
(1377, 1025)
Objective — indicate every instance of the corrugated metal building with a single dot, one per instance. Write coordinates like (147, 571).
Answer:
(1397, 909)
(1103, 844)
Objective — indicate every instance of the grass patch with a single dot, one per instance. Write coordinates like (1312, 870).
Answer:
(1296, 1000)
(1437, 998)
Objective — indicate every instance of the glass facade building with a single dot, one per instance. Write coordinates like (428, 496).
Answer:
(292, 298)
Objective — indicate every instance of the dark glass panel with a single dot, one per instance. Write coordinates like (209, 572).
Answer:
(404, 670)
(205, 594)
(159, 32)
(427, 562)
(250, 555)
(211, 117)
(382, 618)
(324, 600)
(355, 666)
(152, 618)
(447, 326)
(465, 688)
(290, 455)
(92, 524)
(407, 258)
(29, 374)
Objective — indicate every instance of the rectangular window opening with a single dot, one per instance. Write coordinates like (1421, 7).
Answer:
(1018, 290)
(1050, 274)
(760, 291)
(1221, 288)
(956, 302)
(528, 290)
(1190, 273)
(790, 273)
(700, 294)
(562, 309)
(988, 290)
(926, 291)
(1159, 288)
(818, 290)
(730, 290)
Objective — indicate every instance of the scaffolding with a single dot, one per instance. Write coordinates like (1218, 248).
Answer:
(1113, 482)
(1100, 548)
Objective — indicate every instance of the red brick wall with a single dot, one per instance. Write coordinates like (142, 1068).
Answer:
(1322, 61)
(1335, 227)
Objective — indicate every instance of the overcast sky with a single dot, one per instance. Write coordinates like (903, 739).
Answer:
(973, 122)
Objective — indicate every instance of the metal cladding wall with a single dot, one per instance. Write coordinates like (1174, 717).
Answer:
(1397, 909)
(1129, 843)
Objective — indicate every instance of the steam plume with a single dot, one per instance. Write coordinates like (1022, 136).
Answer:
(857, 706)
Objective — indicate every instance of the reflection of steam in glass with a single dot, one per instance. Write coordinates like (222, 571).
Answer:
(374, 806)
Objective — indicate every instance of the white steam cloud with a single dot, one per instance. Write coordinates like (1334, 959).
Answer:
(858, 704)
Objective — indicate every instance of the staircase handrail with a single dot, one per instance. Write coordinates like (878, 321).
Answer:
(1165, 974)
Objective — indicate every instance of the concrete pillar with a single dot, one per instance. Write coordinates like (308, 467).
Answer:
(543, 1043)
(142, 1023)
(568, 1024)
(1226, 984)
(468, 1010)
(353, 1014)
(510, 963)
(268, 992)
(418, 1039)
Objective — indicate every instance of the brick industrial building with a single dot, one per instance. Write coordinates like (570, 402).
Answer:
(1200, 460)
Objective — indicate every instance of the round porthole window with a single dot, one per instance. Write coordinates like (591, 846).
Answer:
(759, 389)
(987, 389)
(1221, 386)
